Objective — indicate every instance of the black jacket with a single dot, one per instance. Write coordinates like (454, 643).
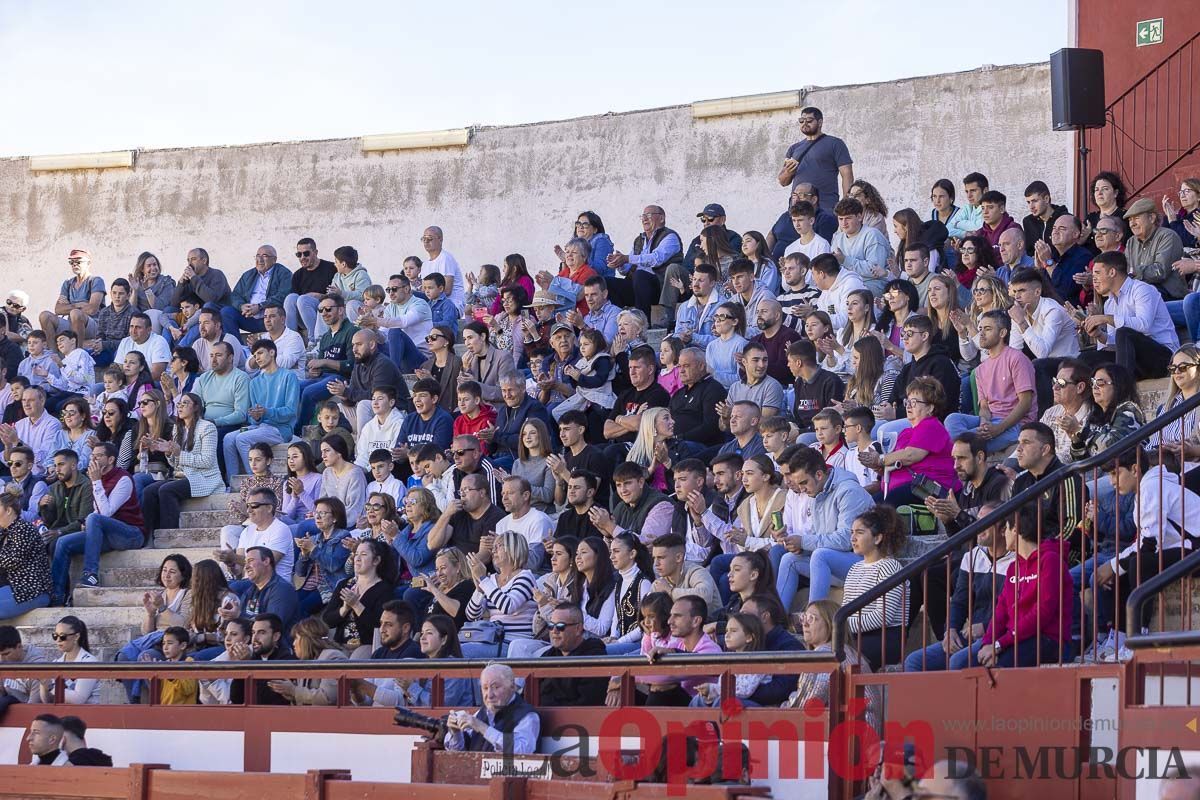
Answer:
(694, 410)
(574, 691)
(378, 370)
(90, 757)
(937, 364)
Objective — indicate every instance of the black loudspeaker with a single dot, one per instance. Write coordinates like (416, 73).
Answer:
(1077, 88)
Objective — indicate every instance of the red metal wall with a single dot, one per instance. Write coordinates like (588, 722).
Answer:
(1110, 26)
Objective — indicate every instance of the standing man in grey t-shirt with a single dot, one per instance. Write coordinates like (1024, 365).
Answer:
(818, 159)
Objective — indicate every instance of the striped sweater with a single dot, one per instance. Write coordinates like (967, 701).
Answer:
(863, 577)
(512, 605)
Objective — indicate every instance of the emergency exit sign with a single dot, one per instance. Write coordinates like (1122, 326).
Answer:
(1149, 31)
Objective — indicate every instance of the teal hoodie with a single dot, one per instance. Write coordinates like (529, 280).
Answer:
(353, 283)
(279, 393)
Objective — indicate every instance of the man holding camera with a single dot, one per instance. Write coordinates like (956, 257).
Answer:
(506, 723)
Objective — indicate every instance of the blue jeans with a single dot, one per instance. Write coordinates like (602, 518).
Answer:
(403, 351)
(1023, 654)
(140, 481)
(10, 608)
(106, 533)
(1186, 313)
(958, 424)
(819, 566)
(719, 569)
(931, 659)
(313, 392)
(1081, 575)
(233, 321)
(301, 311)
(622, 648)
(190, 336)
(237, 444)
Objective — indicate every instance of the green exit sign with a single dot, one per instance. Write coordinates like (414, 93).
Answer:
(1149, 31)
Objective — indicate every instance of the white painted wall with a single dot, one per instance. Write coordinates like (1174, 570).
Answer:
(518, 189)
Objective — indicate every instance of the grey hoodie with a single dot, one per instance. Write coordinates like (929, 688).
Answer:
(834, 508)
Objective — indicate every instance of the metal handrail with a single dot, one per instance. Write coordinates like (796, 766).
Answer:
(1134, 638)
(1006, 509)
(684, 663)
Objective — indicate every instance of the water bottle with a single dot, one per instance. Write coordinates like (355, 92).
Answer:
(143, 461)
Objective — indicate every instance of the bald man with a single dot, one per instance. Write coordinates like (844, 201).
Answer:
(1012, 254)
(505, 724)
(1065, 259)
(372, 370)
(267, 281)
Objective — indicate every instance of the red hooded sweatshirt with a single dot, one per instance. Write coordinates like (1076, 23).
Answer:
(1041, 588)
(464, 425)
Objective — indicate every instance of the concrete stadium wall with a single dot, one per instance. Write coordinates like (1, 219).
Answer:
(518, 189)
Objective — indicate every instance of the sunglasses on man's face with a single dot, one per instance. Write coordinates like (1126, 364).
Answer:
(14, 305)
(303, 253)
(256, 506)
(561, 626)
(326, 309)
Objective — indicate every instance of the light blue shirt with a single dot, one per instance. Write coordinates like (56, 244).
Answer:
(691, 316)
(604, 320)
(721, 357)
(649, 259)
(866, 254)
(524, 736)
(1139, 306)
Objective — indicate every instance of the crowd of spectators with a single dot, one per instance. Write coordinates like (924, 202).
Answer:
(823, 398)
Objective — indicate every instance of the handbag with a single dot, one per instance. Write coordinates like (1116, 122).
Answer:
(481, 631)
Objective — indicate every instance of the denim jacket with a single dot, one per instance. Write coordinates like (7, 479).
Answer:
(413, 548)
(330, 554)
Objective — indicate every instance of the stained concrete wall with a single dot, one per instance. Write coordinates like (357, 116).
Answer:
(518, 189)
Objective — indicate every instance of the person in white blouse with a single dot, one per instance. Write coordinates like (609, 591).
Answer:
(631, 559)
(1046, 328)
(71, 638)
(1164, 509)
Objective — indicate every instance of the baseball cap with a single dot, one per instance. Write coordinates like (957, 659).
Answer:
(561, 326)
(712, 210)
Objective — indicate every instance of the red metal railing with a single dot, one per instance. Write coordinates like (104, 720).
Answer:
(1152, 125)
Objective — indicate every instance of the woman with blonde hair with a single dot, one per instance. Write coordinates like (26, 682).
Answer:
(988, 293)
(504, 597)
(941, 301)
(311, 642)
(631, 333)
(651, 448)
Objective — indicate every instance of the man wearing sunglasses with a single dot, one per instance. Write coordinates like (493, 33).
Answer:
(568, 638)
(407, 319)
(309, 284)
(79, 300)
(19, 326)
(334, 356)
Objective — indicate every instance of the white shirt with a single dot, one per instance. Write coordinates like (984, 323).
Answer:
(833, 300)
(414, 317)
(1159, 493)
(1138, 306)
(391, 486)
(376, 435)
(535, 526)
(154, 349)
(289, 348)
(77, 374)
(798, 513)
(816, 247)
(277, 537)
(1051, 332)
(447, 265)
